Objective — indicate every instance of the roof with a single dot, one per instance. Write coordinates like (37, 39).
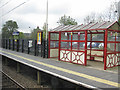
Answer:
(90, 26)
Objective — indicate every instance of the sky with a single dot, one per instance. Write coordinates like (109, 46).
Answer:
(33, 12)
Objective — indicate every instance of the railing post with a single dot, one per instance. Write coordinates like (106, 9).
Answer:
(43, 48)
(47, 51)
(6, 43)
(9, 44)
(22, 46)
(28, 47)
(18, 45)
(35, 47)
(3, 41)
(13, 45)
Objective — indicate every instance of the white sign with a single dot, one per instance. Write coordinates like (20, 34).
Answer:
(65, 34)
(30, 43)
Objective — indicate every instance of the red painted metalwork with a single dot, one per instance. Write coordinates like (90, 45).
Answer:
(74, 54)
(49, 46)
(78, 42)
(77, 59)
(85, 48)
(105, 49)
(71, 47)
(73, 50)
(111, 60)
(103, 29)
(65, 56)
(59, 45)
(96, 50)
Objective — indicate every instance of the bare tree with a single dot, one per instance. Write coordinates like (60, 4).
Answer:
(90, 18)
(110, 14)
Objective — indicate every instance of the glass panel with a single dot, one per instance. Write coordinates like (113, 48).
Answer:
(118, 47)
(78, 45)
(54, 36)
(65, 36)
(54, 44)
(97, 37)
(75, 36)
(88, 37)
(118, 37)
(111, 36)
(111, 46)
(78, 36)
(96, 45)
(65, 45)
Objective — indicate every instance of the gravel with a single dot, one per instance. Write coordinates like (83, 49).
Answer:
(25, 81)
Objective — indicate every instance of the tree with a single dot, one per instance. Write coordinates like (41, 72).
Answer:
(8, 28)
(110, 14)
(89, 18)
(67, 20)
(34, 33)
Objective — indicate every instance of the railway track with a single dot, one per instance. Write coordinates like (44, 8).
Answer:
(8, 82)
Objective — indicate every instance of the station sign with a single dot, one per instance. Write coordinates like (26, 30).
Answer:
(15, 33)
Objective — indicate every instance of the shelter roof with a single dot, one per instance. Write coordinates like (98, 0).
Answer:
(90, 26)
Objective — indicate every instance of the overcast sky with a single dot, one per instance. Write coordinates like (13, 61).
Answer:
(33, 13)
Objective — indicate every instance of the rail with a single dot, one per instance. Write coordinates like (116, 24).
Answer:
(13, 81)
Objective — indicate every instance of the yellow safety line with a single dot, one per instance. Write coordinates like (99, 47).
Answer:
(70, 71)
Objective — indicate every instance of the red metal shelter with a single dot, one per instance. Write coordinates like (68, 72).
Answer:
(79, 43)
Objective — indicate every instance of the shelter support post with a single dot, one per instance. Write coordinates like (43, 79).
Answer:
(22, 46)
(49, 45)
(59, 45)
(85, 48)
(105, 49)
(71, 47)
(78, 42)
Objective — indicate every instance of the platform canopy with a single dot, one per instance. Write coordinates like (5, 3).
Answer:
(90, 27)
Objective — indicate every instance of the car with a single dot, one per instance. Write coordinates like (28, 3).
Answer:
(101, 45)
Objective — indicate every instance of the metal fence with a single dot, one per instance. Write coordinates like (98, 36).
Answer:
(27, 46)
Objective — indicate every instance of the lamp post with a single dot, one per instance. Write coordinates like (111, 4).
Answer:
(46, 20)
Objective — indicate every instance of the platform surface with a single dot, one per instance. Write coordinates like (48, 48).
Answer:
(88, 77)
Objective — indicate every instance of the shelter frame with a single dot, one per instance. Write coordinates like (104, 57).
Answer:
(68, 53)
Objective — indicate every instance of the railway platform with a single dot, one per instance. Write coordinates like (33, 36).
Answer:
(78, 74)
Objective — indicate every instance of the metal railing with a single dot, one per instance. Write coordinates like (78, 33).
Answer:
(28, 46)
